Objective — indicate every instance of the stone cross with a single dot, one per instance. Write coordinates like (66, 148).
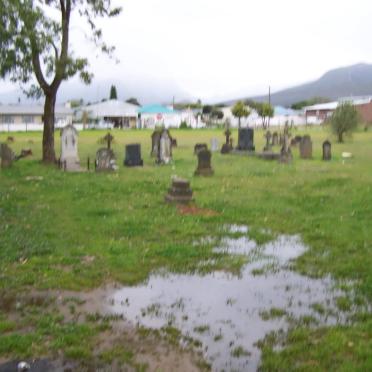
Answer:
(109, 138)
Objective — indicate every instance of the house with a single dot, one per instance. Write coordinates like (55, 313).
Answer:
(113, 112)
(281, 116)
(153, 115)
(30, 117)
(317, 114)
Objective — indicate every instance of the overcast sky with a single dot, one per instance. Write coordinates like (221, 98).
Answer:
(215, 49)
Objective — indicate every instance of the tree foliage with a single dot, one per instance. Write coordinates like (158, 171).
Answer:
(265, 111)
(113, 92)
(133, 101)
(217, 113)
(239, 110)
(35, 49)
(344, 120)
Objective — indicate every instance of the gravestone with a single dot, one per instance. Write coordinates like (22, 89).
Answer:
(268, 138)
(227, 146)
(179, 192)
(199, 147)
(7, 156)
(69, 149)
(214, 144)
(165, 148)
(174, 142)
(275, 139)
(155, 143)
(306, 148)
(245, 139)
(285, 152)
(204, 163)
(295, 141)
(105, 160)
(327, 154)
(133, 155)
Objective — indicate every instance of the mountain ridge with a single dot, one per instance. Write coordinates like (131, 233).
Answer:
(354, 80)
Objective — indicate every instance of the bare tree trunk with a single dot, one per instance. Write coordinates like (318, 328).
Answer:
(49, 155)
(239, 122)
(340, 137)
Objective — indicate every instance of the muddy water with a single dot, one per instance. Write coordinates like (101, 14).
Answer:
(226, 312)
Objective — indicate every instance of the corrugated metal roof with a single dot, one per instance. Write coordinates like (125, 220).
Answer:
(111, 108)
(31, 110)
(322, 106)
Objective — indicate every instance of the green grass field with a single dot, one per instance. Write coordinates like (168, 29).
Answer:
(49, 226)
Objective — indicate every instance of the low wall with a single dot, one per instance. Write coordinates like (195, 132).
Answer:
(32, 127)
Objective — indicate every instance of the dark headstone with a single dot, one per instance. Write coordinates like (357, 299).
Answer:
(199, 147)
(295, 141)
(133, 155)
(204, 163)
(105, 160)
(245, 139)
(6, 155)
(174, 142)
(10, 139)
(306, 148)
(179, 192)
(327, 154)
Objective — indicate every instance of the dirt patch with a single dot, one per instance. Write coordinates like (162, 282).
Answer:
(195, 211)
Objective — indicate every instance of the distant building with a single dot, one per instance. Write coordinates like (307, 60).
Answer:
(30, 117)
(317, 114)
(117, 114)
(154, 115)
(281, 116)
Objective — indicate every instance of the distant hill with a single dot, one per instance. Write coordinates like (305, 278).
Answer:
(353, 80)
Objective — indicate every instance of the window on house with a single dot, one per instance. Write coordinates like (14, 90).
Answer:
(6, 119)
(28, 119)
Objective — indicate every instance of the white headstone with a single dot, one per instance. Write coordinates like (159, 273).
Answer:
(165, 148)
(214, 144)
(69, 148)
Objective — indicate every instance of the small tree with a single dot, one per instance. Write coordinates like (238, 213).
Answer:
(217, 114)
(265, 111)
(35, 49)
(240, 111)
(344, 120)
(113, 93)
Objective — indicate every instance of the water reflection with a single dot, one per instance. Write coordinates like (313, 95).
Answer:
(229, 314)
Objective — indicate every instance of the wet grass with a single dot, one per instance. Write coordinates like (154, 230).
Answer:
(50, 226)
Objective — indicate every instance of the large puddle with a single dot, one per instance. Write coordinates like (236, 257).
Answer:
(228, 314)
